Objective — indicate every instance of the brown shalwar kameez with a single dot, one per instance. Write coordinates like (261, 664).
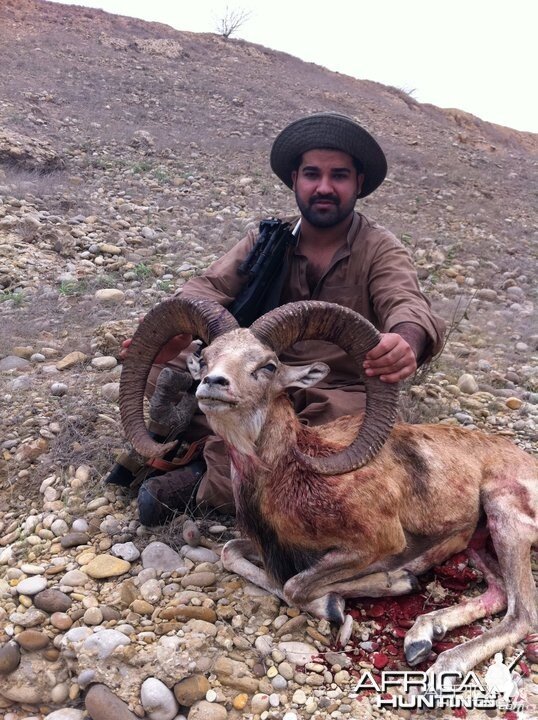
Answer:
(371, 273)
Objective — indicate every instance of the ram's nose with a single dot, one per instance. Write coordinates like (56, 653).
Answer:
(216, 380)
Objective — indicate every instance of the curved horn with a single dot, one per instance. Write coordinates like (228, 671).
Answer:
(205, 319)
(314, 320)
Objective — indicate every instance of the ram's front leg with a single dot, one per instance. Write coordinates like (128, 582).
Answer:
(321, 589)
(240, 557)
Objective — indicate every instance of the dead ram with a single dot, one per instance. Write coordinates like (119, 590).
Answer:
(360, 506)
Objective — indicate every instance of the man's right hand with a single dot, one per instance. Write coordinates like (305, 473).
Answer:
(168, 352)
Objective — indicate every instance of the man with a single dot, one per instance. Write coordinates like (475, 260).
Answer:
(329, 161)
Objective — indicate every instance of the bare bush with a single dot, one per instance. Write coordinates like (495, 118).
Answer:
(231, 21)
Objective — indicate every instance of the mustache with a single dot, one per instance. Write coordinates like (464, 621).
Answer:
(325, 198)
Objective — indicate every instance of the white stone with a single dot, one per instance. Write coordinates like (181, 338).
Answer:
(80, 525)
(104, 363)
(6, 556)
(97, 503)
(127, 551)
(59, 693)
(74, 578)
(86, 677)
(59, 527)
(298, 653)
(51, 494)
(76, 635)
(299, 697)
(31, 585)
(259, 703)
(264, 644)
(30, 524)
(199, 554)
(110, 296)
(58, 389)
(30, 569)
(467, 384)
(103, 643)
(158, 700)
(66, 714)
(110, 526)
(83, 472)
(151, 591)
(161, 557)
(28, 619)
(111, 391)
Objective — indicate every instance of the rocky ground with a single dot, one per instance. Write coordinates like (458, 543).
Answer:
(120, 177)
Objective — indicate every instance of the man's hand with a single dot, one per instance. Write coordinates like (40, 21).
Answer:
(168, 352)
(391, 360)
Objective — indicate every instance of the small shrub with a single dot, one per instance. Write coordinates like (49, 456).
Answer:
(142, 167)
(72, 287)
(142, 271)
(16, 296)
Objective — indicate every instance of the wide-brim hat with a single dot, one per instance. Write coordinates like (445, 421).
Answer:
(329, 130)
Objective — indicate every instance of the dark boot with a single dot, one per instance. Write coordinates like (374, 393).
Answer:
(129, 464)
(120, 475)
(159, 498)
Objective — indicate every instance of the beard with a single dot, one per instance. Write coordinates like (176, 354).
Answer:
(327, 216)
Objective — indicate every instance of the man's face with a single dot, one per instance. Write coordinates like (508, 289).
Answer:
(326, 186)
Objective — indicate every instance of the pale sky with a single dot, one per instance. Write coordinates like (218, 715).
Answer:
(476, 55)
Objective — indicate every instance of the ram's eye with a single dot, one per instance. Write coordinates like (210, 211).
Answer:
(271, 367)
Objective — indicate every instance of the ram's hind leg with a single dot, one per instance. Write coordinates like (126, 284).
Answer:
(434, 625)
(510, 508)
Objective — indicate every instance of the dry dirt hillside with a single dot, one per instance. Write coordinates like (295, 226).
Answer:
(131, 156)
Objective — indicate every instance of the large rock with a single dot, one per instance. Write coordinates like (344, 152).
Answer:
(103, 704)
(208, 711)
(103, 643)
(298, 653)
(467, 384)
(32, 585)
(191, 689)
(33, 681)
(10, 657)
(105, 566)
(66, 714)
(27, 153)
(14, 362)
(69, 361)
(32, 640)
(110, 296)
(161, 558)
(158, 700)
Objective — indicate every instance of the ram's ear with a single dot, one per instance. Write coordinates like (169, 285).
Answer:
(304, 375)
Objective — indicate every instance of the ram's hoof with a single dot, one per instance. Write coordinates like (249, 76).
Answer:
(417, 651)
(344, 633)
(335, 608)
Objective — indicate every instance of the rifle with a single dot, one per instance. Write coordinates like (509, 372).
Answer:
(265, 269)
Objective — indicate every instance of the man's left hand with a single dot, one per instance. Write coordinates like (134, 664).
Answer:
(391, 360)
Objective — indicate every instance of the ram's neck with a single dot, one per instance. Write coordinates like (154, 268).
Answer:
(260, 439)
(240, 431)
(278, 436)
